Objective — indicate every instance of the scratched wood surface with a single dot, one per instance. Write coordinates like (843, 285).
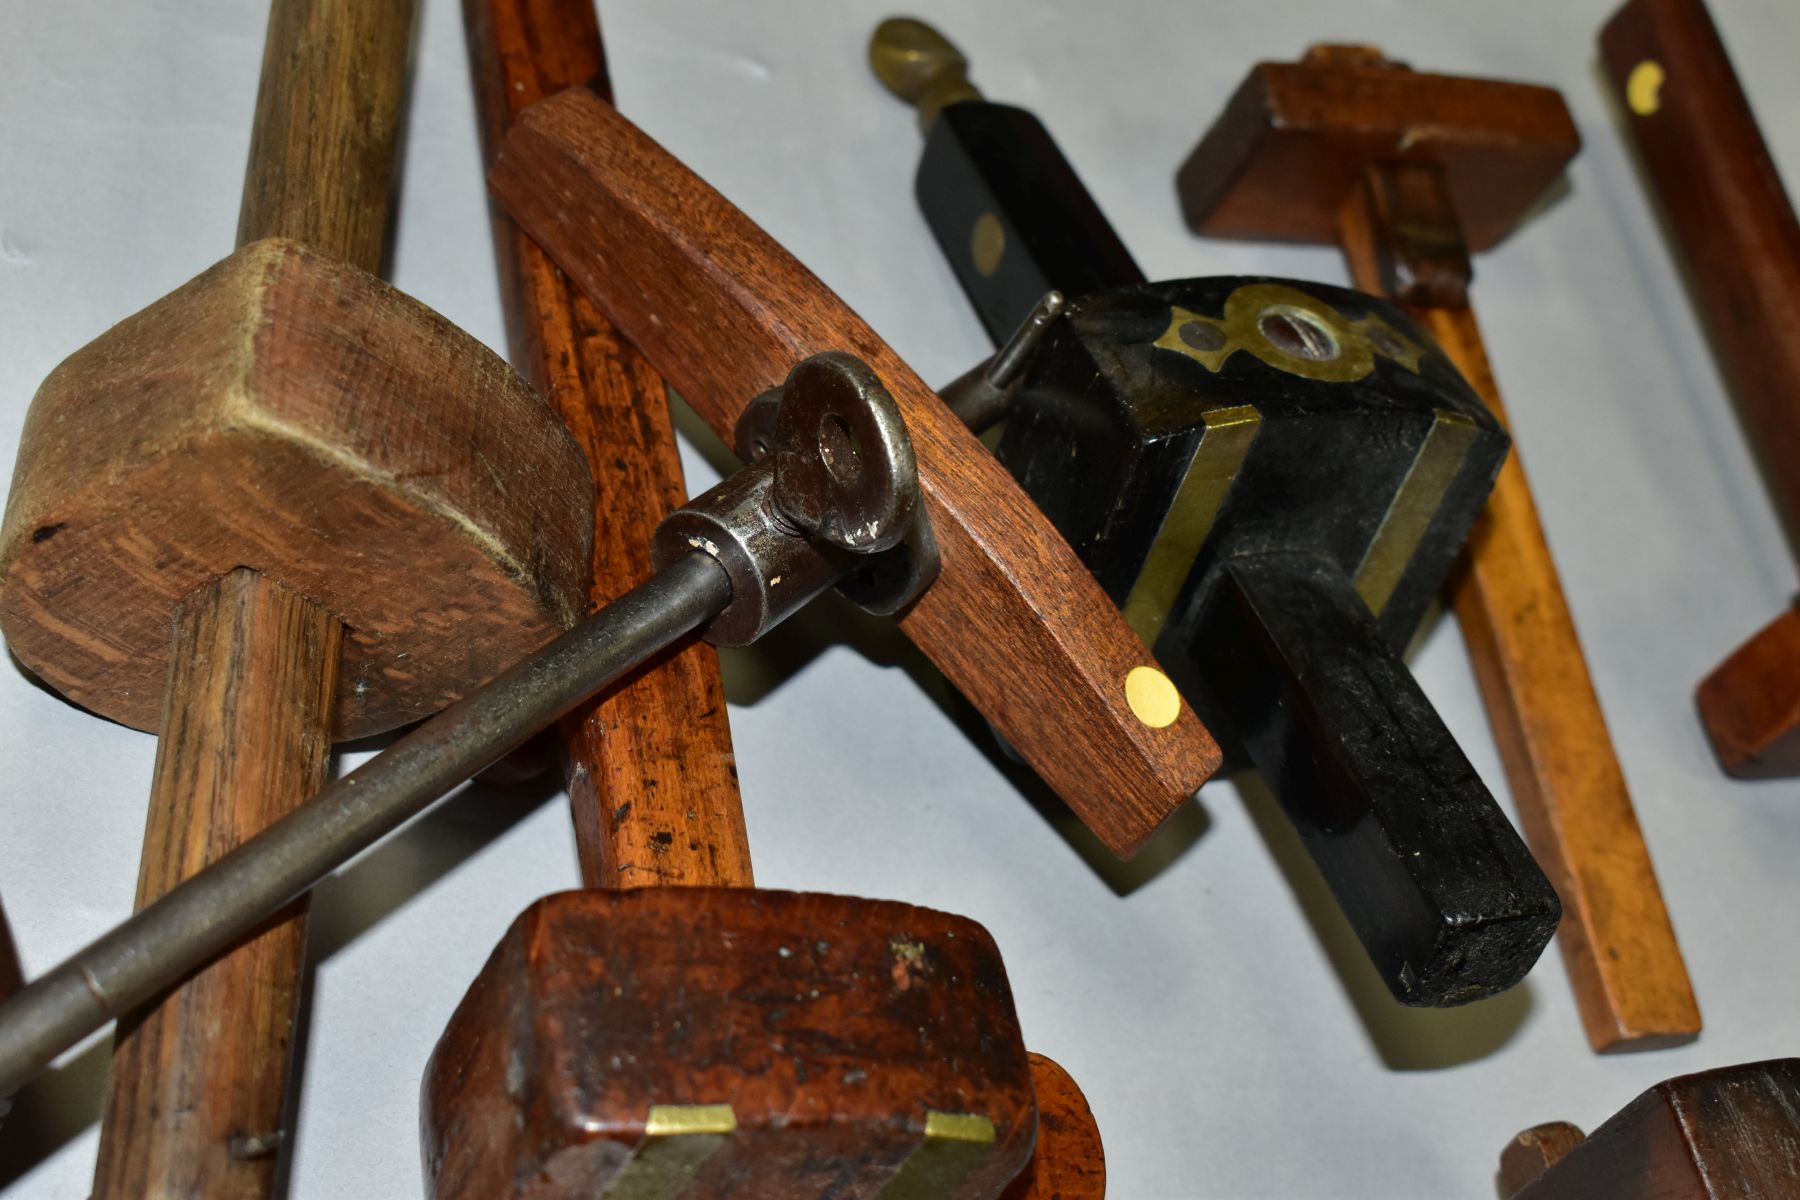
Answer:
(1727, 1134)
(888, 1013)
(650, 772)
(194, 1099)
(1014, 620)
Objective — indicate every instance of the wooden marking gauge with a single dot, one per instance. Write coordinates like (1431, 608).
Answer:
(1271, 479)
(1014, 619)
(1734, 227)
(1408, 173)
(659, 805)
(233, 492)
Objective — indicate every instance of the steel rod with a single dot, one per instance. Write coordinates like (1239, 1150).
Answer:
(203, 916)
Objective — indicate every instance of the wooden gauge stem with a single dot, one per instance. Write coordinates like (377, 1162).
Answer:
(651, 776)
(1401, 237)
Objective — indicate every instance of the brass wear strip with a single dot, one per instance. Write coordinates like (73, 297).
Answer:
(1185, 527)
(1421, 494)
(678, 1139)
(954, 1145)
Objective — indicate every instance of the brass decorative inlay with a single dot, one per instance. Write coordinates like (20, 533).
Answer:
(1643, 88)
(955, 1143)
(1421, 494)
(987, 242)
(1189, 521)
(678, 1139)
(1388, 342)
(1152, 697)
(1290, 331)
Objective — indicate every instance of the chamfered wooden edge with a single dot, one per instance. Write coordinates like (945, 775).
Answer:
(832, 1025)
(289, 413)
(1014, 620)
(651, 775)
(1295, 138)
(1069, 1162)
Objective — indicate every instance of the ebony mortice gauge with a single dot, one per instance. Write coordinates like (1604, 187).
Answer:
(1271, 479)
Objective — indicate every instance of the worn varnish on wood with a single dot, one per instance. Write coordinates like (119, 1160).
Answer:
(1408, 172)
(1014, 621)
(267, 463)
(1069, 1162)
(1727, 1134)
(651, 776)
(1736, 232)
(848, 1048)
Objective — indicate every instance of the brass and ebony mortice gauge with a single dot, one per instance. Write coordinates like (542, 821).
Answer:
(1271, 479)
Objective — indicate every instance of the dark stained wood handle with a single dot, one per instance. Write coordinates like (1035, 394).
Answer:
(1736, 231)
(650, 771)
(1731, 218)
(194, 1099)
(1014, 620)
(322, 149)
(1732, 1133)
(1625, 965)
(12, 975)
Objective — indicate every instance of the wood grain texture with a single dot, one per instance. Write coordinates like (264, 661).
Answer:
(1068, 1163)
(194, 1099)
(1727, 1134)
(599, 1004)
(198, 1082)
(1294, 140)
(1736, 233)
(1298, 145)
(651, 776)
(1618, 942)
(1535, 1151)
(1014, 621)
(324, 141)
(288, 412)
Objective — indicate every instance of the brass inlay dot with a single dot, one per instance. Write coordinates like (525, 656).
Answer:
(1643, 87)
(1198, 335)
(987, 242)
(1152, 697)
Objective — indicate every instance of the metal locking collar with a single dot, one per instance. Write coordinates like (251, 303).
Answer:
(829, 494)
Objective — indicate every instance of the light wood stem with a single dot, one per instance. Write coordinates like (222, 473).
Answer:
(1625, 966)
(651, 775)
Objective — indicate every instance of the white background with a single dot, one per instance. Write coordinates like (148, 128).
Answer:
(1210, 1000)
